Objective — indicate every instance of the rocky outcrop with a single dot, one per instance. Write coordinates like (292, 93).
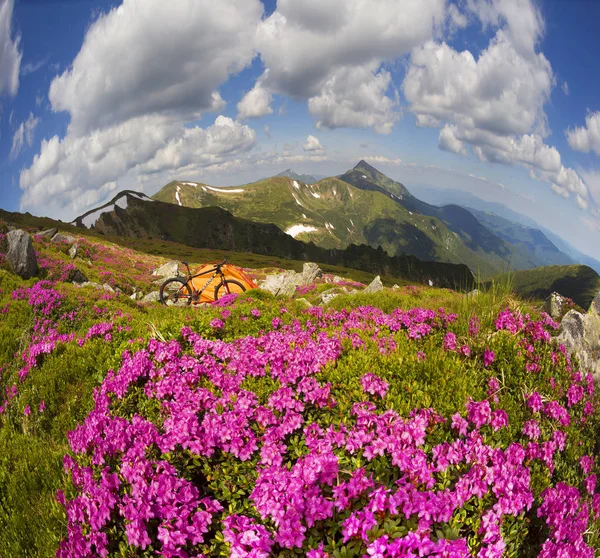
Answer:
(77, 276)
(168, 270)
(60, 237)
(154, 296)
(284, 284)
(554, 305)
(375, 286)
(73, 251)
(47, 233)
(580, 334)
(21, 255)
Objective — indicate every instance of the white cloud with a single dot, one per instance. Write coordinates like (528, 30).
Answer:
(10, 55)
(312, 144)
(356, 97)
(256, 103)
(324, 51)
(23, 135)
(71, 174)
(32, 67)
(586, 138)
(381, 160)
(565, 87)
(156, 57)
(493, 103)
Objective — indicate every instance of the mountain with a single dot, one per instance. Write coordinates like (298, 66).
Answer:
(362, 206)
(571, 251)
(578, 282)
(306, 178)
(529, 240)
(131, 214)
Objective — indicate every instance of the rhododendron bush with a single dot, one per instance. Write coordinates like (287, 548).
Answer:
(338, 433)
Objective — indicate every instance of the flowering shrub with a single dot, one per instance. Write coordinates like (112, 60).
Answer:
(278, 442)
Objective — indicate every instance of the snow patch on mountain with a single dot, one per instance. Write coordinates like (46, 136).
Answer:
(299, 229)
(226, 190)
(177, 195)
(315, 195)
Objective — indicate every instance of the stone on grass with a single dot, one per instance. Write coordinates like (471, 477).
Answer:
(168, 270)
(375, 286)
(474, 292)
(284, 284)
(21, 255)
(154, 296)
(73, 251)
(60, 237)
(137, 295)
(554, 305)
(304, 302)
(49, 233)
(77, 276)
(327, 298)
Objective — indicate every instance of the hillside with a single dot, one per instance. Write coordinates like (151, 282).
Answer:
(131, 215)
(306, 178)
(135, 429)
(528, 240)
(578, 282)
(361, 206)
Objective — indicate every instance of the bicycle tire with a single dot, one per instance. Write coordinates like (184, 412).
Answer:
(171, 282)
(229, 282)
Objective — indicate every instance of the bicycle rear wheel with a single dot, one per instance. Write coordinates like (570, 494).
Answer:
(228, 286)
(176, 291)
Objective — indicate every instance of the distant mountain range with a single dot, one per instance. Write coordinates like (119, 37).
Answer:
(364, 206)
(131, 214)
(306, 178)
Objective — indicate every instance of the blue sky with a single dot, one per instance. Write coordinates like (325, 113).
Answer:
(496, 97)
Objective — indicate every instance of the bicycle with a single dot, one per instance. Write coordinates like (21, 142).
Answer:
(182, 289)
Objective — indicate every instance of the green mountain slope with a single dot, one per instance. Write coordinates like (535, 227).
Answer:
(528, 240)
(132, 215)
(361, 206)
(578, 282)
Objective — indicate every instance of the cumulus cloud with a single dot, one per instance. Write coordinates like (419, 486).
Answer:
(10, 55)
(145, 71)
(313, 144)
(73, 173)
(156, 57)
(256, 103)
(356, 98)
(381, 160)
(23, 136)
(493, 104)
(323, 51)
(586, 138)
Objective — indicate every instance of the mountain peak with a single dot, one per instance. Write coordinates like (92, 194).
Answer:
(363, 165)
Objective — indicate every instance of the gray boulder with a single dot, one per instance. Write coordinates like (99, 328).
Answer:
(21, 255)
(154, 296)
(375, 286)
(395, 287)
(473, 293)
(580, 334)
(60, 237)
(284, 284)
(170, 269)
(554, 306)
(77, 276)
(91, 284)
(327, 298)
(49, 233)
(73, 251)
(304, 302)
(138, 295)
(108, 288)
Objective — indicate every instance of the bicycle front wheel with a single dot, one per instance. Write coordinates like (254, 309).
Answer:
(228, 286)
(176, 292)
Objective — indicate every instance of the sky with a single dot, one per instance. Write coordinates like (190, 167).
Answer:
(496, 97)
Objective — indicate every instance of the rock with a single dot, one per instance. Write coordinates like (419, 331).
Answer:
(77, 276)
(580, 334)
(474, 292)
(395, 287)
(330, 291)
(304, 302)
(375, 286)
(337, 279)
(154, 296)
(554, 305)
(284, 284)
(49, 233)
(430, 283)
(91, 284)
(137, 296)
(73, 251)
(108, 288)
(170, 269)
(21, 255)
(59, 237)
(310, 273)
(327, 298)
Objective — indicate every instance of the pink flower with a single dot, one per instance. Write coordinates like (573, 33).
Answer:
(27, 411)
(216, 323)
(488, 357)
(450, 342)
(42, 406)
(374, 385)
